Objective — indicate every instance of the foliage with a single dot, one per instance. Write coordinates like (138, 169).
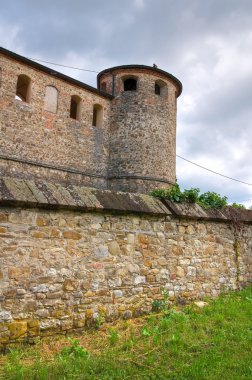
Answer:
(74, 351)
(176, 195)
(209, 199)
(192, 195)
(113, 336)
(163, 304)
(173, 193)
(183, 343)
(238, 205)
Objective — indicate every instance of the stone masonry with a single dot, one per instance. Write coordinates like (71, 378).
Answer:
(80, 241)
(71, 255)
(130, 147)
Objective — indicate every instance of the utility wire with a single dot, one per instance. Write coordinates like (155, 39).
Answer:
(212, 171)
(182, 158)
(69, 67)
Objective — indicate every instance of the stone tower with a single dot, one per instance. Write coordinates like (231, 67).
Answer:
(142, 136)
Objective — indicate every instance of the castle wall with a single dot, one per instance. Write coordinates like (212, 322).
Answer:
(34, 135)
(62, 269)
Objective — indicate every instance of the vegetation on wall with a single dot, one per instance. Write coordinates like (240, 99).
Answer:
(209, 199)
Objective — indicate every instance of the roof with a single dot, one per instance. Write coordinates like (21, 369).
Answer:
(147, 68)
(52, 72)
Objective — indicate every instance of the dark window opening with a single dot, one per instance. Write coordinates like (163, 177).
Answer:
(94, 117)
(97, 115)
(75, 107)
(23, 90)
(157, 89)
(103, 87)
(161, 88)
(130, 84)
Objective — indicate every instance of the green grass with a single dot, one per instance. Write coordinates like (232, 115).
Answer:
(181, 343)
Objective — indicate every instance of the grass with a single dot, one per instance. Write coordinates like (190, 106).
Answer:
(179, 343)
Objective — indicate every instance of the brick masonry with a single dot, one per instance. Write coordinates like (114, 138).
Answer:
(71, 255)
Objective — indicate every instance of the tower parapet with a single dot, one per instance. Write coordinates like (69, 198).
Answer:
(142, 135)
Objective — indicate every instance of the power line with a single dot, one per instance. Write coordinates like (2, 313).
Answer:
(69, 67)
(185, 159)
(212, 171)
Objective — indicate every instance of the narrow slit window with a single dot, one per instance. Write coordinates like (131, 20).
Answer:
(97, 115)
(130, 84)
(23, 89)
(75, 107)
(157, 89)
(104, 87)
(51, 99)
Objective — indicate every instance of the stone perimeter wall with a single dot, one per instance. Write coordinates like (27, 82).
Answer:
(62, 269)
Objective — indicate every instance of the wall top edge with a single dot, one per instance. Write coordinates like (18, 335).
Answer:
(52, 72)
(17, 192)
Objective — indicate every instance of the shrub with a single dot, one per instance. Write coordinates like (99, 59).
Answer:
(192, 195)
(238, 205)
(174, 193)
(210, 199)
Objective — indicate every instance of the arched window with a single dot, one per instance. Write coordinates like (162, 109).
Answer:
(23, 89)
(97, 115)
(51, 99)
(160, 88)
(104, 87)
(75, 107)
(130, 84)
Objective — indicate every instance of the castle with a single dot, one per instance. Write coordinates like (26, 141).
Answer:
(121, 136)
(74, 249)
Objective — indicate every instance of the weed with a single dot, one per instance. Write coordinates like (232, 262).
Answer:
(74, 351)
(113, 336)
(157, 305)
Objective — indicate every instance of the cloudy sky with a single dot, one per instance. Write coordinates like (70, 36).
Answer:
(207, 44)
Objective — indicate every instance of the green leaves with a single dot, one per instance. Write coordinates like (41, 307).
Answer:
(210, 199)
(74, 351)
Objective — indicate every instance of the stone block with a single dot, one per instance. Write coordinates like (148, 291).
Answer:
(19, 272)
(74, 235)
(17, 330)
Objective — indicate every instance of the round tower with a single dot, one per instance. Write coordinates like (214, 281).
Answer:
(142, 137)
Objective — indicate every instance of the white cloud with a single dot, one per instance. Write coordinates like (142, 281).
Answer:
(139, 4)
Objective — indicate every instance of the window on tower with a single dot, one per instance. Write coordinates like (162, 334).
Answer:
(130, 84)
(103, 87)
(160, 88)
